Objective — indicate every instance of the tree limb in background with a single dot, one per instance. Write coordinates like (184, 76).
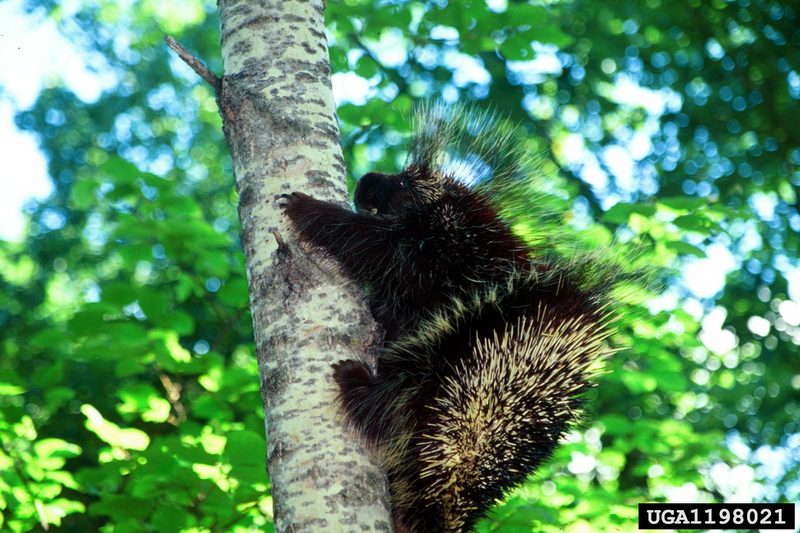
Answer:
(195, 64)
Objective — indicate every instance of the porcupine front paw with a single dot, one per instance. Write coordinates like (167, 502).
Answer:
(297, 206)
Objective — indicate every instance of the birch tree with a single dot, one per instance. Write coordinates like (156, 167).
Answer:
(279, 122)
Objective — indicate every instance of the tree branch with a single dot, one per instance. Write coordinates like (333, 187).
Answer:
(195, 64)
(174, 396)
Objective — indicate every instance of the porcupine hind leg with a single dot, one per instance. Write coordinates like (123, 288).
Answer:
(364, 400)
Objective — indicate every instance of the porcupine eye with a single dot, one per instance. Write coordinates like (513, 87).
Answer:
(403, 193)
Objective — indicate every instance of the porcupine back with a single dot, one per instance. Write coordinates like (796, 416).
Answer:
(452, 233)
(470, 405)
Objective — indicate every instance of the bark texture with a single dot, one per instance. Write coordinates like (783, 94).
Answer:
(279, 121)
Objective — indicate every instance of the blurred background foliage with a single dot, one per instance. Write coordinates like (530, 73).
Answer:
(128, 380)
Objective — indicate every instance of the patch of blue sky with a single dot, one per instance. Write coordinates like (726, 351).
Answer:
(35, 55)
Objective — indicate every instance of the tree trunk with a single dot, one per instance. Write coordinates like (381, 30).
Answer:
(279, 121)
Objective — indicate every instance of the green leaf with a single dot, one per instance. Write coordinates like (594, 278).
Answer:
(553, 35)
(682, 202)
(56, 397)
(183, 207)
(57, 509)
(129, 438)
(50, 377)
(523, 13)
(612, 458)
(53, 447)
(123, 172)
(366, 67)
(47, 338)
(638, 382)
(86, 321)
(207, 407)
(141, 399)
(133, 253)
(616, 424)
(234, 293)
(7, 389)
(119, 507)
(119, 293)
(82, 194)
(619, 213)
(155, 306)
(245, 448)
(695, 223)
(181, 322)
(517, 48)
(684, 248)
(186, 287)
(170, 349)
(169, 518)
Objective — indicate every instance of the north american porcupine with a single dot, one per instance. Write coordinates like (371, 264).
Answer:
(489, 342)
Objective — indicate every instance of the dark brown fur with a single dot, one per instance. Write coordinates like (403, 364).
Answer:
(489, 346)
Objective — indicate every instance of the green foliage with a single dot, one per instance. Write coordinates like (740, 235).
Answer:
(128, 381)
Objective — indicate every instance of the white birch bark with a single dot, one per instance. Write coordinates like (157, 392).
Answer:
(279, 121)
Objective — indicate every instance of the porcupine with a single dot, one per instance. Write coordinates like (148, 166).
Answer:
(490, 343)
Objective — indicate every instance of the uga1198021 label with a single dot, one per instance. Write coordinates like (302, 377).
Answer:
(716, 515)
